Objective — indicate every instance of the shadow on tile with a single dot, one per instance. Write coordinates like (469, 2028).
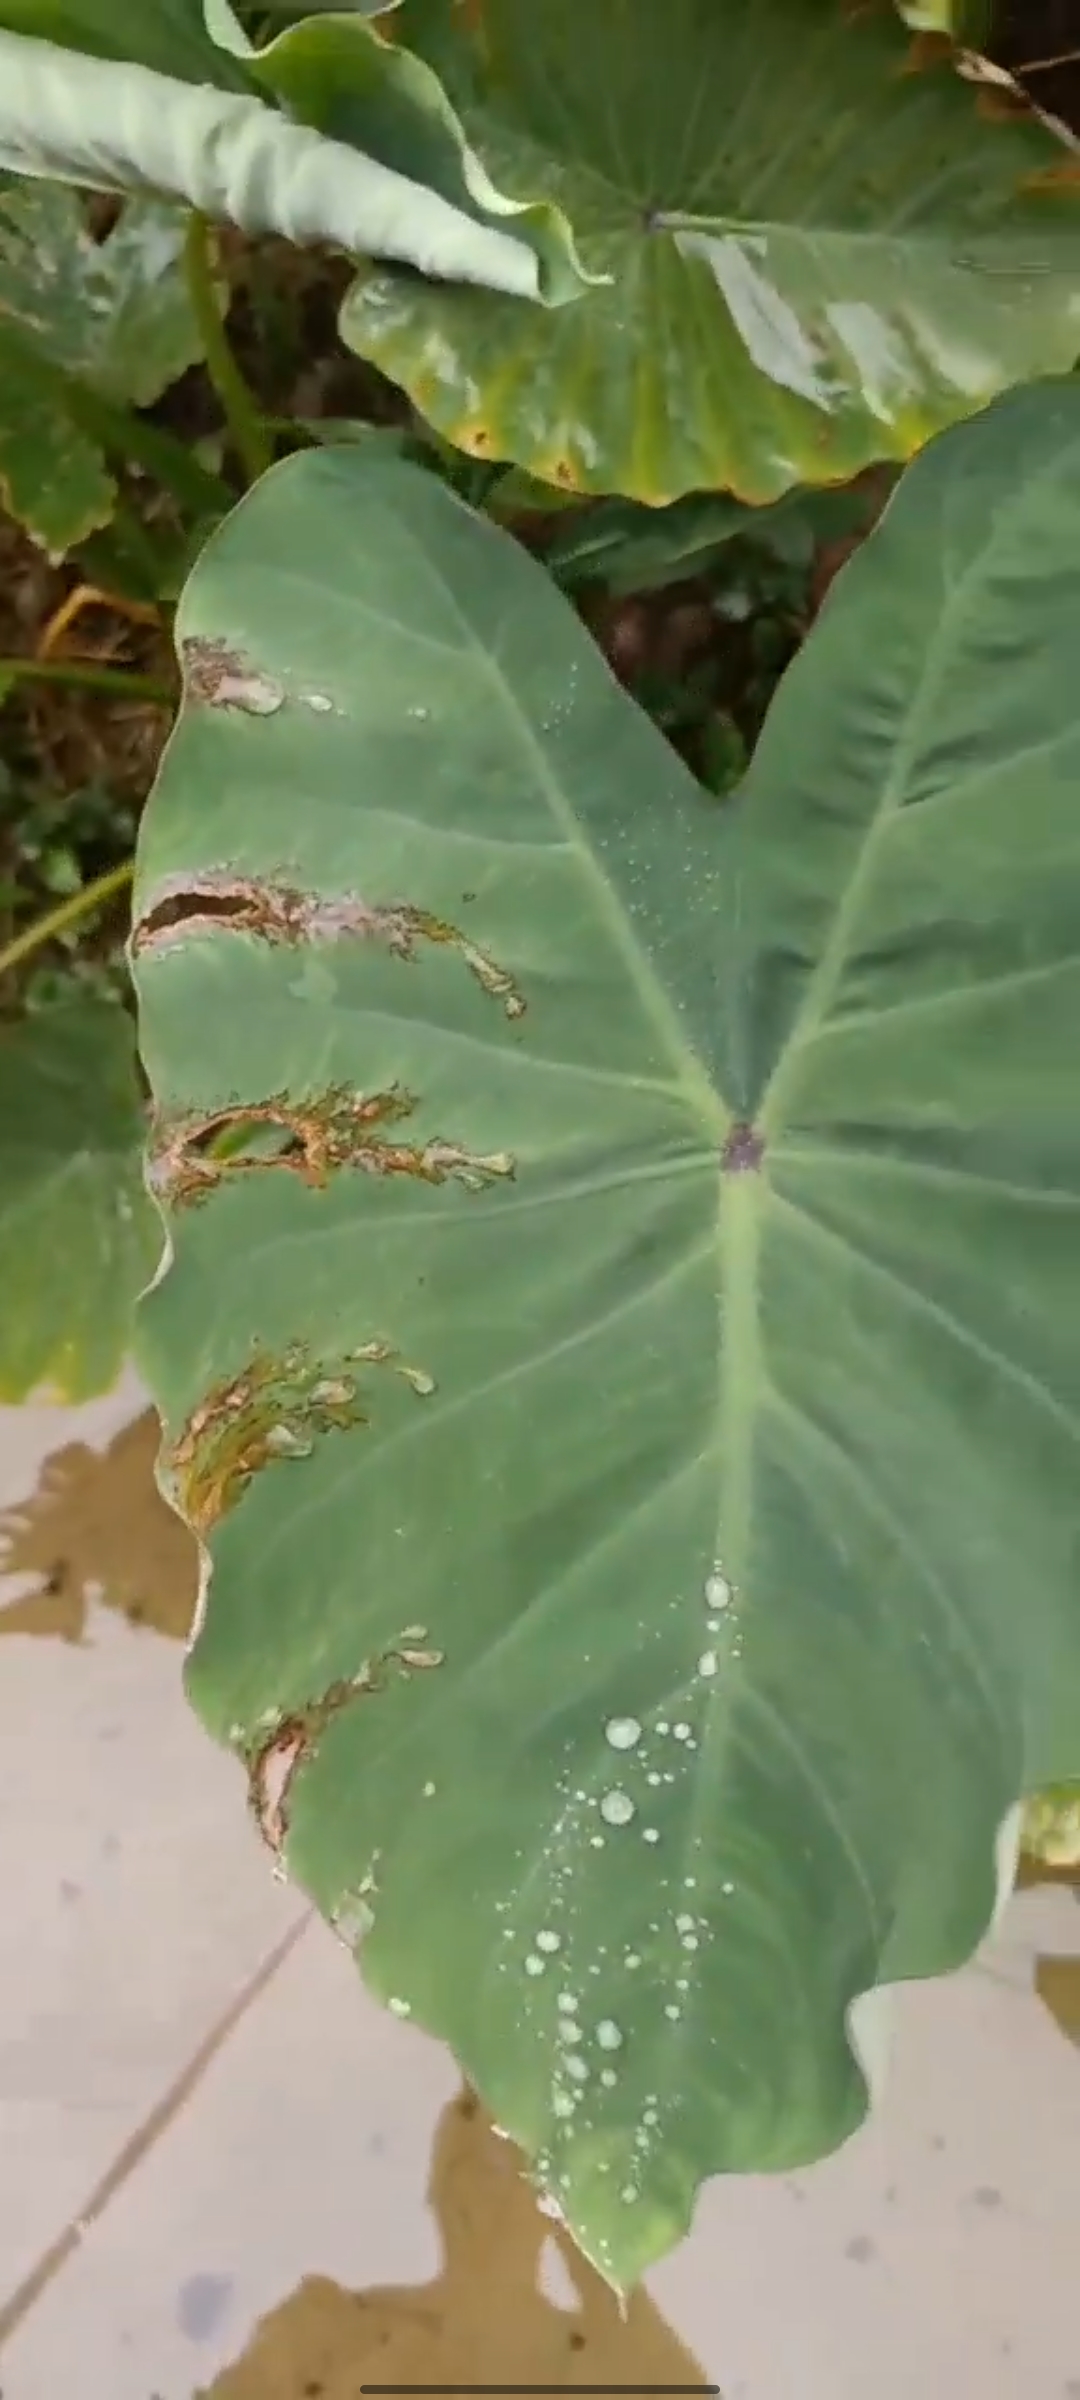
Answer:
(485, 2320)
(97, 1520)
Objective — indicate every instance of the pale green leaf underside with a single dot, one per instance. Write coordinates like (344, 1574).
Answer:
(412, 192)
(817, 258)
(124, 128)
(115, 314)
(613, 1382)
(338, 74)
(78, 1238)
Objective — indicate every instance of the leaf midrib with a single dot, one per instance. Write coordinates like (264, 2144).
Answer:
(950, 246)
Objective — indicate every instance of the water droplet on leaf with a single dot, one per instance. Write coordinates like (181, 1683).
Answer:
(622, 1732)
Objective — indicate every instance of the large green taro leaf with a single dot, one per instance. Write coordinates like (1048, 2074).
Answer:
(620, 1348)
(113, 314)
(78, 1238)
(818, 259)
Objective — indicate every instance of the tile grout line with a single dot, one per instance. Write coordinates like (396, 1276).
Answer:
(143, 2139)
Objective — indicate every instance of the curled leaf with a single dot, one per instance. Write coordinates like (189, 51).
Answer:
(340, 75)
(123, 127)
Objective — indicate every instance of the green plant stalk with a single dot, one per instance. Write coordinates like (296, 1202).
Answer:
(80, 675)
(69, 912)
(242, 416)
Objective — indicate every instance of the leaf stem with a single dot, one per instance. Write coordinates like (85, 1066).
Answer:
(80, 904)
(83, 675)
(242, 415)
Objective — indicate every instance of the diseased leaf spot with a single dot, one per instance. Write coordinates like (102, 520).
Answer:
(185, 905)
(216, 676)
(274, 1410)
(270, 1781)
(274, 1761)
(190, 1156)
(743, 1150)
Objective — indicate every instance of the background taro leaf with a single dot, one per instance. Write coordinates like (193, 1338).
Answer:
(626, 1372)
(78, 1238)
(636, 549)
(1051, 1826)
(966, 21)
(168, 35)
(819, 258)
(113, 314)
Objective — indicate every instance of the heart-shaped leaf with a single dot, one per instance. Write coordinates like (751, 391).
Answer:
(620, 1345)
(818, 258)
(78, 1237)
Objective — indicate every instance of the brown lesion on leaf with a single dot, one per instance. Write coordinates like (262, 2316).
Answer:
(743, 1150)
(415, 925)
(187, 903)
(274, 1759)
(340, 1129)
(275, 1409)
(218, 676)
